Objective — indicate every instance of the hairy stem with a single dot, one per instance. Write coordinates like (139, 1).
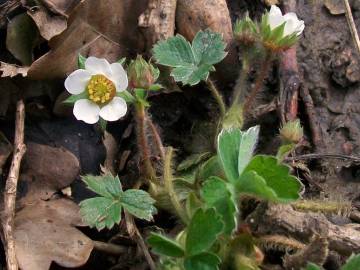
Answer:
(157, 139)
(259, 83)
(239, 89)
(217, 96)
(143, 144)
(168, 183)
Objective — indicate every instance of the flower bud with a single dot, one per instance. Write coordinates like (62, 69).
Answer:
(245, 31)
(142, 74)
(292, 132)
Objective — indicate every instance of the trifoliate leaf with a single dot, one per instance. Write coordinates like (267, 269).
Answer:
(138, 203)
(107, 186)
(192, 204)
(73, 98)
(165, 246)
(353, 263)
(203, 261)
(101, 212)
(266, 178)
(191, 63)
(216, 194)
(81, 61)
(235, 149)
(202, 231)
(211, 167)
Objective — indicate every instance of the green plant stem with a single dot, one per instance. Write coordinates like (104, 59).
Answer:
(217, 96)
(258, 83)
(168, 184)
(142, 141)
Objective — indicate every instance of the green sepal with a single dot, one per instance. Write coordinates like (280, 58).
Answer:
(81, 61)
(155, 87)
(129, 98)
(121, 60)
(73, 98)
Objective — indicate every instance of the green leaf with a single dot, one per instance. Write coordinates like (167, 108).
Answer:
(191, 63)
(192, 160)
(174, 52)
(107, 186)
(235, 149)
(266, 178)
(126, 96)
(73, 98)
(208, 47)
(138, 203)
(81, 61)
(165, 246)
(202, 261)
(353, 263)
(247, 146)
(202, 231)
(312, 266)
(211, 167)
(216, 194)
(101, 212)
(155, 87)
(192, 204)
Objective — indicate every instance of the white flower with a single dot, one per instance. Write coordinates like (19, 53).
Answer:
(99, 81)
(292, 23)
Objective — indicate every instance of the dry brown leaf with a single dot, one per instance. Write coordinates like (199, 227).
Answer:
(9, 70)
(45, 170)
(61, 7)
(105, 29)
(48, 24)
(44, 233)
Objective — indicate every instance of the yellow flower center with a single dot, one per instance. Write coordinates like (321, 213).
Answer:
(101, 90)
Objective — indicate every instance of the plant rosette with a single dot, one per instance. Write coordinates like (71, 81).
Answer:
(96, 90)
(278, 31)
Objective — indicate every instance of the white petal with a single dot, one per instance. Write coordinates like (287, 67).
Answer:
(98, 66)
(119, 77)
(275, 17)
(293, 24)
(86, 111)
(77, 81)
(300, 28)
(290, 27)
(114, 110)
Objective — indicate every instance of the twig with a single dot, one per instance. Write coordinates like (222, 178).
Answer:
(134, 233)
(217, 96)
(313, 122)
(11, 187)
(109, 248)
(322, 156)
(352, 25)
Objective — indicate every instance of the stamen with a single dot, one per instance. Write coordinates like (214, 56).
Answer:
(101, 90)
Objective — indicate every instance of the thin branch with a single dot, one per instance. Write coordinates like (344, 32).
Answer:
(109, 248)
(217, 96)
(352, 26)
(133, 232)
(322, 156)
(11, 188)
(157, 139)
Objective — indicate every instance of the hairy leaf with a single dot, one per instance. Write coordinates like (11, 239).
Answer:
(235, 149)
(101, 212)
(138, 203)
(268, 179)
(106, 186)
(203, 230)
(203, 261)
(216, 194)
(165, 246)
(191, 63)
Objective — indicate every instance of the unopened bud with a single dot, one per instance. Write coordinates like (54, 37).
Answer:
(292, 132)
(142, 74)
